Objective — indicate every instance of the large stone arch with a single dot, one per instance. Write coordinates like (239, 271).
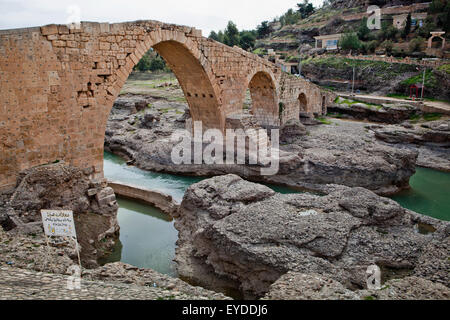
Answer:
(263, 92)
(193, 74)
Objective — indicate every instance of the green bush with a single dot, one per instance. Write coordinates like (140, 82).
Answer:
(350, 41)
(416, 45)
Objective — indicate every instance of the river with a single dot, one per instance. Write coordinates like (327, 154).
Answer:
(148, 237)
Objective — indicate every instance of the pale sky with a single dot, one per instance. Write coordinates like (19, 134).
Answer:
(206, 15)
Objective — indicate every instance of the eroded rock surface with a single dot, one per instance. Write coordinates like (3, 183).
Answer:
(386, 113)
(62, 187)
(298, 286)
(241, 234)
(431, 140)
(341, 153)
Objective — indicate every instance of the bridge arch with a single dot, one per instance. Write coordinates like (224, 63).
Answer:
(193, 74)
(303, 102)
(263, 93)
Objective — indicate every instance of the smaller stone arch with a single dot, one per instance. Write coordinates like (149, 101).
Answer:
(303, 102)
(439, 35)
(264, 99)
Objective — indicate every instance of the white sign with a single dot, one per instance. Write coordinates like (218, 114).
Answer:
(58, 223)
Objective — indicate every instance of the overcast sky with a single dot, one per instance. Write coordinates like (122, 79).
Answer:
(203, 14)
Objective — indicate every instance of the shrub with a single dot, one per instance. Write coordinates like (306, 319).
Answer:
(388, 45)
(416, 44)
(350, 41)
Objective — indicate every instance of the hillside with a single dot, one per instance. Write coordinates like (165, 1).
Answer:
(291, 40)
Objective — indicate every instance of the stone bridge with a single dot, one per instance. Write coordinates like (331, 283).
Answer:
(58, 85)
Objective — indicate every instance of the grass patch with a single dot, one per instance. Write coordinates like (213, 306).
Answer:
(445, 68)
(430, 80)
(324, 121)
(260, 51)
(369, 298)
(165, 110)
(432, 116)
(396, 95)
(335, 115)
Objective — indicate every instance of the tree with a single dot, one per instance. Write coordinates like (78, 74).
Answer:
(363, 30)
(440, 9)
(157, 64)
(263, 29)
(388, 45)
(350, 41)
(290, 17)
(247, 40)
(231, 35)
(407, 30)
(144, 63)
(213, 35)
(305, 9)
(416, 45)
(221, 37)
(387, 32)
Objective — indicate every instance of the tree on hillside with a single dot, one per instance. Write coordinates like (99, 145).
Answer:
(363, 30)
(263, 29)
(416, 45)
(350, 41)
(387, 32)
(439, 15)
(407, 30)
(290, 17)
(231, 35)
(247, 39)
(388, 45)
(221, 36)
(305, 9)
(437, 6)
(213, 35)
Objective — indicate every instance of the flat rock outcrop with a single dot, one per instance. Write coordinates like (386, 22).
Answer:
(386, 113)
(298, 286)
(431, 140)
(241, 234)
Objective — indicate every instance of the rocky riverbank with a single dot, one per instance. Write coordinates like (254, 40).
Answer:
(28, 265)
(62, 187)
(344, 154)
(430, 139)
(242, 235)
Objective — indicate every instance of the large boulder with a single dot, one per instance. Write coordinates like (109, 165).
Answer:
(245, 235)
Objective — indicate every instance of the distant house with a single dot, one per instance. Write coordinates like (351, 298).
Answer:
(329, 42)
(417, 19)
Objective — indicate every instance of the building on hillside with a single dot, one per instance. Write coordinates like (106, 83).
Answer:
(417, 19)
(329, 42)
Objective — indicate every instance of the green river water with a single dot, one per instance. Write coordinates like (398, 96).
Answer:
(148, 236)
